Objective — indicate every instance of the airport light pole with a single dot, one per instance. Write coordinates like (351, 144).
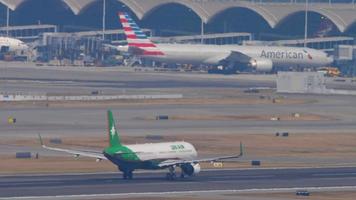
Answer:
(306, 23)
(104, 19)
(202, 32)
(201, 27)
(104, 27)
(7, 21)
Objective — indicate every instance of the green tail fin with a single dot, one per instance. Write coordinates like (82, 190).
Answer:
(114, 138)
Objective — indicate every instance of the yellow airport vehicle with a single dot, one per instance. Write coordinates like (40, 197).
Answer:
(330, 71)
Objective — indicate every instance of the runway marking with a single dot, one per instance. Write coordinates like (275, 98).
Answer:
(335, 174)
(352, 165)
(86, 196)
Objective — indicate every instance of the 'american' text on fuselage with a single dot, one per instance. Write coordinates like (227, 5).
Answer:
(281, 55)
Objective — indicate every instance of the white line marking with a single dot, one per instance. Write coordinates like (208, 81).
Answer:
(335, 174)
(86, 196)
(160, 171)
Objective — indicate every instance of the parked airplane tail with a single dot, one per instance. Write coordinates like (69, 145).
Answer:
(114, 139)
(136, 38)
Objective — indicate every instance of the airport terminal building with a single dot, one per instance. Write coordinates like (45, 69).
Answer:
(266, 19)
(76, 28)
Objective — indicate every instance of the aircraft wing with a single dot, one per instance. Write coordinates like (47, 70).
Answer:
(86, 153)
(169, 163)
(236, 56)
(232, 57)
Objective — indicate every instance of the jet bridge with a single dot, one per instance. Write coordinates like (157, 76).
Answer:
(28, 33)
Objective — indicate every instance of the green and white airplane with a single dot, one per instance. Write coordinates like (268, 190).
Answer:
(150, 156)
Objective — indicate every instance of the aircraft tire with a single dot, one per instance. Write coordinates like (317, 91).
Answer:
(170, 176)
(129, 175)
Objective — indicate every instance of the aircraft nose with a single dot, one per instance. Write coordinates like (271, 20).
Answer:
(329, 59)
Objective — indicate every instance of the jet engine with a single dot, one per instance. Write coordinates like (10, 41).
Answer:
(191, 169)
(261, 65)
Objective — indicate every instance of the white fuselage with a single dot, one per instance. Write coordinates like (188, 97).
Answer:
(164, 151)
(213, 54)
(12, 44)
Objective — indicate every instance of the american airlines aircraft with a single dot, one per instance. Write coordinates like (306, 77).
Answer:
(8, 44)
(228, 57)
(151, 156)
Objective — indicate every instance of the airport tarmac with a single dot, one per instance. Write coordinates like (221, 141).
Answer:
(335, 115)
(122, 80)
(57, 80)
(91, 120)
(220, 181)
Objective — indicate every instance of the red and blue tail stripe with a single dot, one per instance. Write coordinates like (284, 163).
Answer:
(137, 38)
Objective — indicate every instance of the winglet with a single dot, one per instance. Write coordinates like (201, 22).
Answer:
(241, 149)
(40, 139)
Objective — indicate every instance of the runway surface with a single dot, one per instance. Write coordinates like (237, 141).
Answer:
(111, 183)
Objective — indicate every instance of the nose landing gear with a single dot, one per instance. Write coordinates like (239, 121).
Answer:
(127, 174)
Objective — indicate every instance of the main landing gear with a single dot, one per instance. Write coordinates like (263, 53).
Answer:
(171, 175)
